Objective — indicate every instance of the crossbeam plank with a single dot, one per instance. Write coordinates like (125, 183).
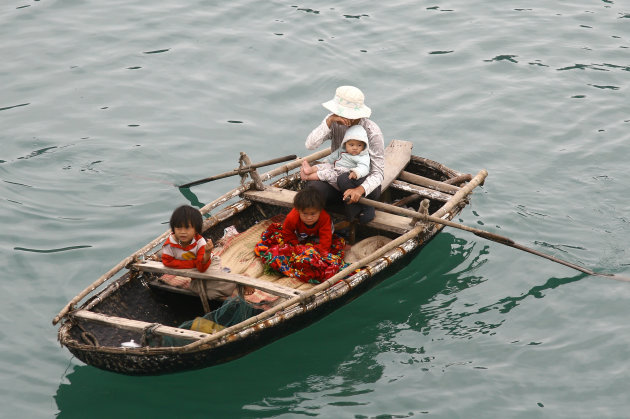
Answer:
(270, 287)
(137, 325)
(284, 197)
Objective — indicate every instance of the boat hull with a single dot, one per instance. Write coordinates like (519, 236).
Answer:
(139, 362)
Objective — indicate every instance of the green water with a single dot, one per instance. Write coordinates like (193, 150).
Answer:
(105, 105)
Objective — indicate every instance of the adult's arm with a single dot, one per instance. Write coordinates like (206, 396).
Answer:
(377, 156)
(320, 134)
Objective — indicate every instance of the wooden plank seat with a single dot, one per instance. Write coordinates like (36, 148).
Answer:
(267, 286)
(284, 197)
(137, 325)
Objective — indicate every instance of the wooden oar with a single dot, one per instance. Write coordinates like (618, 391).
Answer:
(482, 233)
(242, 170)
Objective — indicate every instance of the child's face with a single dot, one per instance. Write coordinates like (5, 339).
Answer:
(309, 215)
(354, 147)
(184, 234)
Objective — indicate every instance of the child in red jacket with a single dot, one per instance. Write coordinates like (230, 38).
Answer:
(308, 222)
(185, 248)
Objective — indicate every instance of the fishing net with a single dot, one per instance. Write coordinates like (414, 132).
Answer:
(233, 311)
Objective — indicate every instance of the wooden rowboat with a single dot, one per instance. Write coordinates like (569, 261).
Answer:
(129, 303)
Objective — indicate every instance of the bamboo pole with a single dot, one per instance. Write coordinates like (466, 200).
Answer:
(458, 179)
(233, 193)
(242, 170)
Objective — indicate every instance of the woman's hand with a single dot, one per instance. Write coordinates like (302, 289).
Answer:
(340, 120)
(351, 196)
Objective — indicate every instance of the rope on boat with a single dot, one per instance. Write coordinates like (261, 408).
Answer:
(148, 333)
(241, 173)
(88, 337)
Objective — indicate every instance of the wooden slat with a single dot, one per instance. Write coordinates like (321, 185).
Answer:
(397, 156)
(429, 183)
(138, 326)
(270, 287)
(423, 192)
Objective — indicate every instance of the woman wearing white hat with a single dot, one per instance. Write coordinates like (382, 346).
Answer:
(348, 109)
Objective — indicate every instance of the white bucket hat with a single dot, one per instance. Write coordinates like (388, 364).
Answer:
(348, 103)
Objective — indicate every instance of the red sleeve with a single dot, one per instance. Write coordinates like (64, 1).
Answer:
(289, 226)
(324, 233)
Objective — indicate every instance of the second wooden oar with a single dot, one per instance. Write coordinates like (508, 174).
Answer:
(239, 171)
(482, 233)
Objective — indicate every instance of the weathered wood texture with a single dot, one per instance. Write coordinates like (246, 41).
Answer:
(397, 156)
(270, 287)
(429, 183)
(240, 171)
(284, 197)
(423, 192)
(138, 326)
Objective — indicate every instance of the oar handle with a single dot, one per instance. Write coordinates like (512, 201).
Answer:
(494, 237)
(239, 171)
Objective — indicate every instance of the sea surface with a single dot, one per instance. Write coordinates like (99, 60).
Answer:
(106, 105)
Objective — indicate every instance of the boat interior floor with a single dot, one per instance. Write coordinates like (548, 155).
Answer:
(236, 262)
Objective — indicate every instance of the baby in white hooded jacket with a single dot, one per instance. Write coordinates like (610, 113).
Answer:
(353, 156)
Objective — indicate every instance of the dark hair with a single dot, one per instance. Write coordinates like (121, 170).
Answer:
(308, 198)
(185, 216)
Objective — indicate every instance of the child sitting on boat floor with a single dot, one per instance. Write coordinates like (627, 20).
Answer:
(186, 248)
(308, 222)
(303, 246)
